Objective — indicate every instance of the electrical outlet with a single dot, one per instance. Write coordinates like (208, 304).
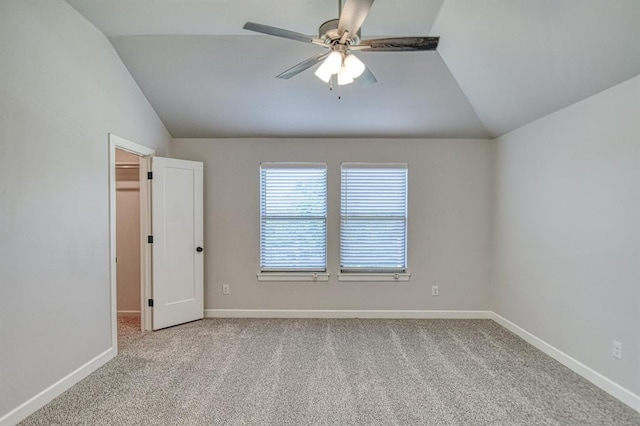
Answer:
(434, 290)
(617, 349)
(225, 288)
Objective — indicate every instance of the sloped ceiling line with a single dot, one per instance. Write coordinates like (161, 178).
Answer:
(501, 64)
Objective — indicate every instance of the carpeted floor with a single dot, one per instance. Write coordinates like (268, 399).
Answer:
(332, 372)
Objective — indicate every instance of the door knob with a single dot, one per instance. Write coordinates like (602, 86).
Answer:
(199, 249)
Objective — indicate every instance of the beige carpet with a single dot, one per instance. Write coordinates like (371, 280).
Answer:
(332, 372)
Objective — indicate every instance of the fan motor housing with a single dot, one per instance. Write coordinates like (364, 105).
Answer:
(328, 32)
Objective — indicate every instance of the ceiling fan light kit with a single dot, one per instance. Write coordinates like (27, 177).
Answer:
(354, 66)
(346, 67)
(333, 63)
(344, 77)
(323, 74)
(341, 36)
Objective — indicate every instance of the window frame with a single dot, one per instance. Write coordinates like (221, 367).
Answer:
(368, 273)
(293, 274)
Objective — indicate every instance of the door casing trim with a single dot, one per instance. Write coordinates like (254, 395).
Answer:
(145, 227)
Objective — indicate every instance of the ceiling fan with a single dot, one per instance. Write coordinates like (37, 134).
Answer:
(342, 37)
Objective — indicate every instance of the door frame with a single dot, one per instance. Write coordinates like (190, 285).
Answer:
(145, 229)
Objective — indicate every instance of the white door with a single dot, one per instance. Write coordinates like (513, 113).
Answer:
(177, 249)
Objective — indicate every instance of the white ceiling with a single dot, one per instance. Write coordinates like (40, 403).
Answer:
(500, 64)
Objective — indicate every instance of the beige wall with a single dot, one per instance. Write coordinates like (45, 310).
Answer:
(125, 157)
(448, 223)
(128, 233)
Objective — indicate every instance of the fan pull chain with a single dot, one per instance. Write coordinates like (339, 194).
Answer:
(331, 87)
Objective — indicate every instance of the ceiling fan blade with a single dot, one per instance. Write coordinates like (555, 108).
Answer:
(400, 44)
(353, 15)
(366, 78)
(307, 63)
(278, 32)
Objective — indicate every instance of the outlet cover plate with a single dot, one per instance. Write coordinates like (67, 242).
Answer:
(617, 349)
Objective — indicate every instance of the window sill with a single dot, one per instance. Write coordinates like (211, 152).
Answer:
(293, 276)
(386, 276)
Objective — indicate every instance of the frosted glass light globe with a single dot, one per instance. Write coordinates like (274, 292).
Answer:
(344, 77)
(354, 66)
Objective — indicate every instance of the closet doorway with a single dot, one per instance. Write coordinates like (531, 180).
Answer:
(128, 242)
(171, 204)
(130, 276)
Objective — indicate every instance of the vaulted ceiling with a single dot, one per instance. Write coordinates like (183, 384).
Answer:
(500, 64)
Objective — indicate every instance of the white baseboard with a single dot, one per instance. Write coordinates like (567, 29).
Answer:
(41, 399)
(304, 313)
(25, 409)
(609, 386)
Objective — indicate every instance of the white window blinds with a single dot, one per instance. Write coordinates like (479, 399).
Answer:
(373, 217)
(293, 209)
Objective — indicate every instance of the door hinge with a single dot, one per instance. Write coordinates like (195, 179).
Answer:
(149, 175)
(150, 239)
(150, 303)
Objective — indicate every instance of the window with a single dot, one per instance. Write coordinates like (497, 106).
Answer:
(293, 224)
(373, 218)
